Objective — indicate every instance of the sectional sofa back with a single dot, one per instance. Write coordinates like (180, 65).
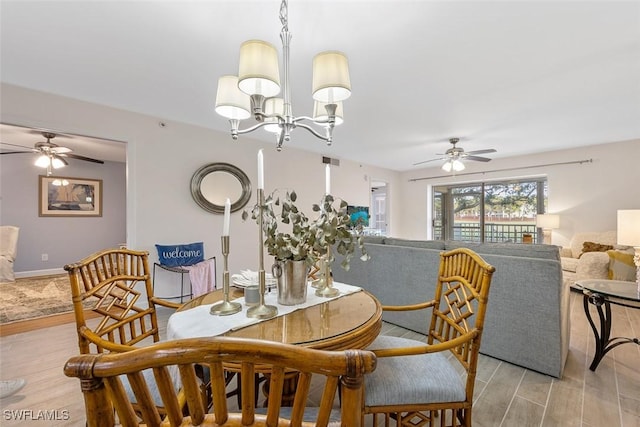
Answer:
(527, 316)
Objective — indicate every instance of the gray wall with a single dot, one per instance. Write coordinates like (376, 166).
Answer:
(63, 239)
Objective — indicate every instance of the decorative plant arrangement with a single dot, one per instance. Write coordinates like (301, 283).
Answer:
(306, 239)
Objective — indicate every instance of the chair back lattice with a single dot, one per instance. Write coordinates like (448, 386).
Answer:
(103, 389)
(460, 302)
(114, 283)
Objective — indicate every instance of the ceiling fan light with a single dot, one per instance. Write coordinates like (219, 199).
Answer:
(258, 72)
(230, 101)
(331, 82)
(320, 112)
(457, 165)
(447, 166)
(57, 163)
(42, 161)
(60, 182)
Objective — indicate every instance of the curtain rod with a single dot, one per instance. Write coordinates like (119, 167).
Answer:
(579, 162)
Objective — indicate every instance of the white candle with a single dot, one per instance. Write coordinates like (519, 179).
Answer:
(227, 213)
(260, 170)
(327, 180)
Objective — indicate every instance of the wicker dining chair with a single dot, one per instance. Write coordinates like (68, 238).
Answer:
(100, 377)
(116, 285)
(432, 384)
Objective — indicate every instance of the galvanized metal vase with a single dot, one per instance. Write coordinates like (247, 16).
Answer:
(292, 281)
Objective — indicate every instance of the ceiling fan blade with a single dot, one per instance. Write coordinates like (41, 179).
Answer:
(427, 161)
(15, 152)
(487, 151)
(19, 146)
(61, 150)
(477, 158)
(79, 157)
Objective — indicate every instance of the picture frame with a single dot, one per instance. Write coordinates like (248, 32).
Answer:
(68, 196)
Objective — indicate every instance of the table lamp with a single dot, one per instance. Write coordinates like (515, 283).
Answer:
(547, 222)
(629, 235)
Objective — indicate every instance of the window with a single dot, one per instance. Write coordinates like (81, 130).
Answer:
(489, 212)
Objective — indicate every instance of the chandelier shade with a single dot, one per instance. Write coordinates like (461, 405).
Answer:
(273, 107)
(231, 102)
(258, 71)
(331, 82)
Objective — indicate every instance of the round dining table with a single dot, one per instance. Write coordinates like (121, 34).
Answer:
(352, 321)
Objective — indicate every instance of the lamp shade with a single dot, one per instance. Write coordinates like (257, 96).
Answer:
(320, 112)
(629, 227)
(258, 72)
(331, 82)
(548, 221)
(230, 101)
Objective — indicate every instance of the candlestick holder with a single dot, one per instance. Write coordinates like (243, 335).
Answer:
(326, 289)
(261, 311)
(226, 307)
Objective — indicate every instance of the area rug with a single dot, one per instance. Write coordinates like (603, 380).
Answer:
(30, 298)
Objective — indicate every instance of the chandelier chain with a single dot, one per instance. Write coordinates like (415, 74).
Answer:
(284, 15)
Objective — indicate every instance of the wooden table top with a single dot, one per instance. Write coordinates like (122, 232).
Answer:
(351, 321)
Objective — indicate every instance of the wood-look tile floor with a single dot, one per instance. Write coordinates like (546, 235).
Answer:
(506, 395)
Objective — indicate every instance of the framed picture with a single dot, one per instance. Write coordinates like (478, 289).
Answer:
(65, 196)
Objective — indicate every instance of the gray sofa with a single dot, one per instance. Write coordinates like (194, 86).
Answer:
(527, 320)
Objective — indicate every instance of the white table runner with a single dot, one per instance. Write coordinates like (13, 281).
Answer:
(197, 322)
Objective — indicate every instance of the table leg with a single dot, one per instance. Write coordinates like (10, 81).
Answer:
(602, 340)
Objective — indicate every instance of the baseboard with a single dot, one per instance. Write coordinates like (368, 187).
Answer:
(36, 273)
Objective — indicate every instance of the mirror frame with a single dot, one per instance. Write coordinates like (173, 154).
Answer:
(200, 174)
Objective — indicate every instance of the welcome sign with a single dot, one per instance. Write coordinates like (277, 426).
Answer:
(180, 255)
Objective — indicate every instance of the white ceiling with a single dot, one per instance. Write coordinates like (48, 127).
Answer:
(518, 76)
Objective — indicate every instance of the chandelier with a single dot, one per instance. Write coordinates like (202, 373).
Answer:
(254, 91)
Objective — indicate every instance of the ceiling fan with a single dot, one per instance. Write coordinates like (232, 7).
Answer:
(454, 157)
(50, 155)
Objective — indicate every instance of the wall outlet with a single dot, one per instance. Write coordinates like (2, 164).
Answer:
(45, 257)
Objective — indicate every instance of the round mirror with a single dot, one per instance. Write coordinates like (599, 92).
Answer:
(213, 183)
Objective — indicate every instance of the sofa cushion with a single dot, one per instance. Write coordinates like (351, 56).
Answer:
(621, 266)
(594, 247)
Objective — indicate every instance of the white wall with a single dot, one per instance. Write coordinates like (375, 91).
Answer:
(161, 161)
(586, 196)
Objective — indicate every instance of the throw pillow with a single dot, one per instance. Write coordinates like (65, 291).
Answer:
(594, 247)
(180, 255)
(621, 266)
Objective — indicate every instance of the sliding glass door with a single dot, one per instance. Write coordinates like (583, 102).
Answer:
(489, 212)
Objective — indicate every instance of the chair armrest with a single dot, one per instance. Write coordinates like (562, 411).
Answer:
(426, 348)
(593, 265)
(165, 303)
(107, 345)
(566, 252)
(410, 307)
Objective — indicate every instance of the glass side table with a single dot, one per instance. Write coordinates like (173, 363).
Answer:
(602, 293)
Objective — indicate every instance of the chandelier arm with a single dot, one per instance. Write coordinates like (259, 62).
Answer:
(252, 128)
(325, 122)
(328, 137)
